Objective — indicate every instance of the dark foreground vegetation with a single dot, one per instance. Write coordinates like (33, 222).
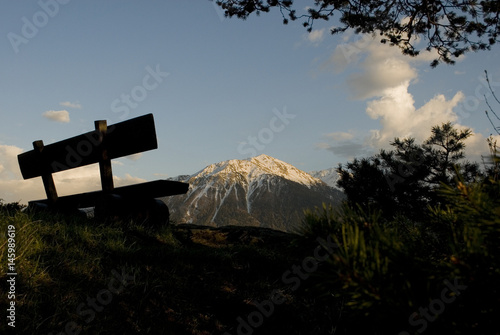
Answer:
(414, 250)
(80, 276)
(419, 239)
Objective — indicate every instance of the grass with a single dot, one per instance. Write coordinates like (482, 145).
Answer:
(77, 275)
(85, 276)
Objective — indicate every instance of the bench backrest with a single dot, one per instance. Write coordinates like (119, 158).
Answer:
(98, 146)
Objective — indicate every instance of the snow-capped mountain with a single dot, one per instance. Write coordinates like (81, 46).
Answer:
(258, 191)
(329, 176)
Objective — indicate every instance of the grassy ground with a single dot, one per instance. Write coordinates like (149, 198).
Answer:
(80, 276)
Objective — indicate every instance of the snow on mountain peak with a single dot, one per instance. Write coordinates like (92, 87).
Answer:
(329, 176)
(256, 167)
(257, 191)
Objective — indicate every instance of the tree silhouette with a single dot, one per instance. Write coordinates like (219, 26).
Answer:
(492, 163)
(404, 180)
(495, 115)
(451, 27)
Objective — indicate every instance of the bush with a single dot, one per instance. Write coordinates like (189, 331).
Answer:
(10, 208)
(440, 276)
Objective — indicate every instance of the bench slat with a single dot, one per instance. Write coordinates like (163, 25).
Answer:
(122, 139)
(152, 189)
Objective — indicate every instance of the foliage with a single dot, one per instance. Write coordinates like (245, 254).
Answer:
(181, 280)
(384, 272)
(405, 274)
(495, 115)
(404, 180)
(316, 222)
(445, 148)
(492, 163)
(10, 208)
(450, 27)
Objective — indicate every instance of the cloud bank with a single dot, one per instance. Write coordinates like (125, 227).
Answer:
(382, 76)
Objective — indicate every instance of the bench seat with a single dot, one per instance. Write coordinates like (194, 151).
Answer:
(152, 189)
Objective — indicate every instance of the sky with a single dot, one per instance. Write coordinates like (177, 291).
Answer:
(218, 88)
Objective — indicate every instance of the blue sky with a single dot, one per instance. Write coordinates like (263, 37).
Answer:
(223, 89)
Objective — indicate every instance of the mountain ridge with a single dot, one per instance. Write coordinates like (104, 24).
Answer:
(329, 176)
(259, 191)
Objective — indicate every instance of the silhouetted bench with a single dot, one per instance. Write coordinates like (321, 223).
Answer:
(101, 146)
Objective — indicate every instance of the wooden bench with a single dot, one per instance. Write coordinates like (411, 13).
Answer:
(101, 146)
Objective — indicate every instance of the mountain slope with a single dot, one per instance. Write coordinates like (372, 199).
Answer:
(259, 191)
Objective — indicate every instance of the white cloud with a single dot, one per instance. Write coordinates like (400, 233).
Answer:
(367, 45)
(399, 117)
(69, 104)
(380, 74)
(383, 74)
(86, 179)
(316, 36)
(380, 67)
(127, 180)
(476, 147)
(340, 136)
(12, 186)
(8, 162)
(79, 180)
(134, 157)
(58, 116)
(348, 53)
